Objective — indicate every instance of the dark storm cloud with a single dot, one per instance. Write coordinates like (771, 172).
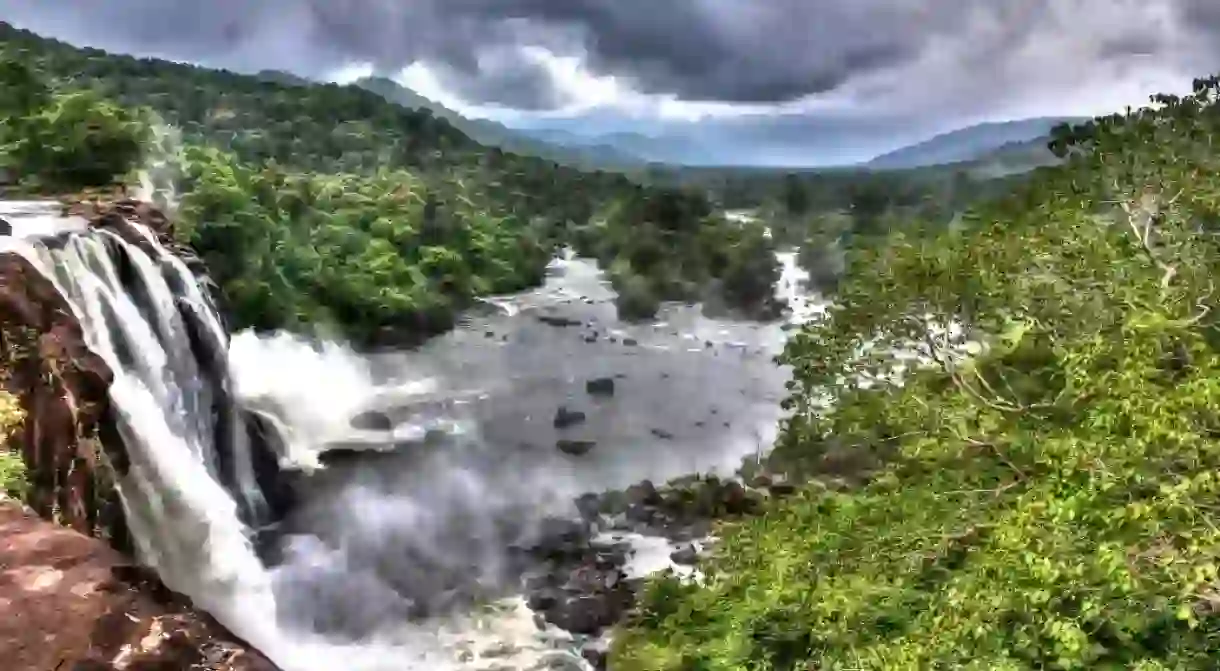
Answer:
(505, 78)
(744, 51)
(698, 49)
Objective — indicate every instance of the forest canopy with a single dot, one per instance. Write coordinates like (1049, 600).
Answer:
(1043, 499)
(321, 203)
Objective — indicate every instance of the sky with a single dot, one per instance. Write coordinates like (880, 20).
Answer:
(906, 67)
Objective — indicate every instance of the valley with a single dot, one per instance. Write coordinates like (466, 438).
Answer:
(378, 387)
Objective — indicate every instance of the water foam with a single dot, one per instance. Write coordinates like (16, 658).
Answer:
(454, 504)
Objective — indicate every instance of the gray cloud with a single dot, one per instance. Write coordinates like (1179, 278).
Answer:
(892, 52)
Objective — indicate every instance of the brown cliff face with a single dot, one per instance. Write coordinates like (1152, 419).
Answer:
(62, 387)
(69, 445)
(69, 600)
(72, 603)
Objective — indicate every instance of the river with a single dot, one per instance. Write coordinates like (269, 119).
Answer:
(403, 549)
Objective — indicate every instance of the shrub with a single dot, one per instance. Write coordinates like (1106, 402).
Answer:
(12, 468)
(1047, 502)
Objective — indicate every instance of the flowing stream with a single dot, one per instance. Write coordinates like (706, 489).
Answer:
(454, 455)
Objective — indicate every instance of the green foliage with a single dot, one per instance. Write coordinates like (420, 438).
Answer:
(330, 203)
(12, 468)
(1047, 497)
(379, 255)
(669, 244)
(637, 299)
(64, 140)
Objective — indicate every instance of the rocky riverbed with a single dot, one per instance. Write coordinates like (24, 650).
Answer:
(487, 499)
(495, 487)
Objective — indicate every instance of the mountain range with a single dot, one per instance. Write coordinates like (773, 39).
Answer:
(495, 134)
(761, 140)
(1022, 139)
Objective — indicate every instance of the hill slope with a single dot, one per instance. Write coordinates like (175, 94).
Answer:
(319, 203)
(967, 144)
(1043, 501)
(494, 134)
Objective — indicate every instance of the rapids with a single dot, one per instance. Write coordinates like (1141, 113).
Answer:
(395, 551)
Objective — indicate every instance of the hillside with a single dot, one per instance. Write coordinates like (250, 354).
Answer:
(329, 205)
(674, 149)
(1041, 499)
(494, 134)
(973, 143)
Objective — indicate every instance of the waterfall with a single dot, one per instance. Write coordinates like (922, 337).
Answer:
(194, 477)
(427, 526)
(189, 489)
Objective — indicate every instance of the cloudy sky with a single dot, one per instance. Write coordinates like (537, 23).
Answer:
(919, 66)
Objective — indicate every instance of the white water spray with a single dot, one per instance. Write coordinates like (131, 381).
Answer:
(140, 311)
(135, 310)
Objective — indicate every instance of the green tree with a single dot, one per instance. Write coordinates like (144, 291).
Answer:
(796, 197)
(1043, 498)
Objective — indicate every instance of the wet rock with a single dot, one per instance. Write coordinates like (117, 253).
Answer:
(602, 386)
(596, 655)
(558, 662)
(69, 442)
(589, 614)
(686, 555)
(500, 649)
(575, 448)
(558, 321)
(566, 417)
(82, 606)
(644, 493)
(781, 489)
(560, 538)
(762, 481)
(543, 599)
(589, 506)
(737, 499)
(372, 420)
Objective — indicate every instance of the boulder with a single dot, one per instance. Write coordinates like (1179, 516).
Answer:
(558, 322)
(575, 448)
(590, 614)
(372, 420)
(596, 655)
(73, 602)
(601, 386)
(686, 555)
(566, 417)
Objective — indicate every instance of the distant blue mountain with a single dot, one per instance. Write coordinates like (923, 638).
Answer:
(974, 143)
(495, 134)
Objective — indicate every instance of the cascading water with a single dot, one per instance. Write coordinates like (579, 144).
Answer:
(188, 483)
(379, 540)
(190, 480)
